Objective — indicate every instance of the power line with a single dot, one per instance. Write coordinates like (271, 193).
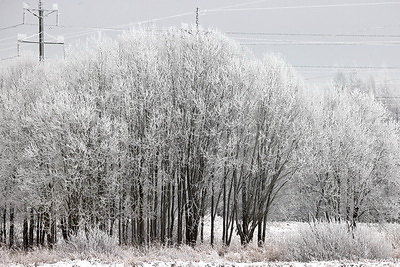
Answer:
(122, 27)
(305, 7)
(7, 58)
(83, 27)
(10, 27)
(306, 72)
(316, 34)
(346, 67)
(80, 33)
(237, 5)
(3, 44)
(9, 48)
(10, 43)
(163, 18)
(116, 28)
(322, 43)
(379, 27)
(128, 26)
(8, 38)
(273, 42)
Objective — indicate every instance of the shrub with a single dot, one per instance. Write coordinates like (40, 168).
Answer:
(333, 241)
(392, 232)
(91, 243)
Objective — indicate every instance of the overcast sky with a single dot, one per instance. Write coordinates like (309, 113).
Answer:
(364, 33)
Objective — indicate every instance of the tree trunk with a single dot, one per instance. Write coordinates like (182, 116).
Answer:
(25, 234)
(2, 227)
(12, 227)
(180, 211)
(202, 214)
(171, 214)
(120, 223)
(49, 229)
(133, 231)
(264, 230)
(31, 228)
(259, 235)
(163, 212)
(212, 216)
(141, 220)
(5, 224)
(64, 230)
(192, 214)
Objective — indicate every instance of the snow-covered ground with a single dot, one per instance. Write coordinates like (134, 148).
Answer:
(202, 255)
(79, 263)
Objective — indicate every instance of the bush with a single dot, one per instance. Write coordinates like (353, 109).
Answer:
(333, 241)
(392, 232)
(91, 243)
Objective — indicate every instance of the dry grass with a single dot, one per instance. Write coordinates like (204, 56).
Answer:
(302, 242)
(392, 233)
(34, 257)
(333, 241)
(92, 243)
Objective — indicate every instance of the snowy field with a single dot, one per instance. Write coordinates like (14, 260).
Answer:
(283, 244)
(80, 263)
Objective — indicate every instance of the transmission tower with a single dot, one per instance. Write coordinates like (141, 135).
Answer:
(40, 13)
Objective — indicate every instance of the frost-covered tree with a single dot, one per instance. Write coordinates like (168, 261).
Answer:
(352, 155)
(141, 137)
(268, 135)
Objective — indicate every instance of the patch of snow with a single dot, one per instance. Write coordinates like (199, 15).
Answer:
(85, 263)
(79, 263)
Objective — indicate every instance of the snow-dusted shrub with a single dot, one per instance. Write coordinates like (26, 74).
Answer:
(253, 253)
(4, 257)
(333, 241)
(92, 242)
(392, 232)
(31, 258)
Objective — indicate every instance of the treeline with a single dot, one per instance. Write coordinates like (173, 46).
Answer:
(147, 137)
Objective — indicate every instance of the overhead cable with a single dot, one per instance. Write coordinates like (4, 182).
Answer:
(7, 58)
(305, 7)
(237, 5)
(322, 43)
(347, 67)
(10, 27)
(315, 34)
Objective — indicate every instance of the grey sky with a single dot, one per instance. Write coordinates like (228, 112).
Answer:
(359, 18)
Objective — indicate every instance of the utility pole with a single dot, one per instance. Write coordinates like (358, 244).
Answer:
(41, 31)
(40, 13)
(197, 18)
